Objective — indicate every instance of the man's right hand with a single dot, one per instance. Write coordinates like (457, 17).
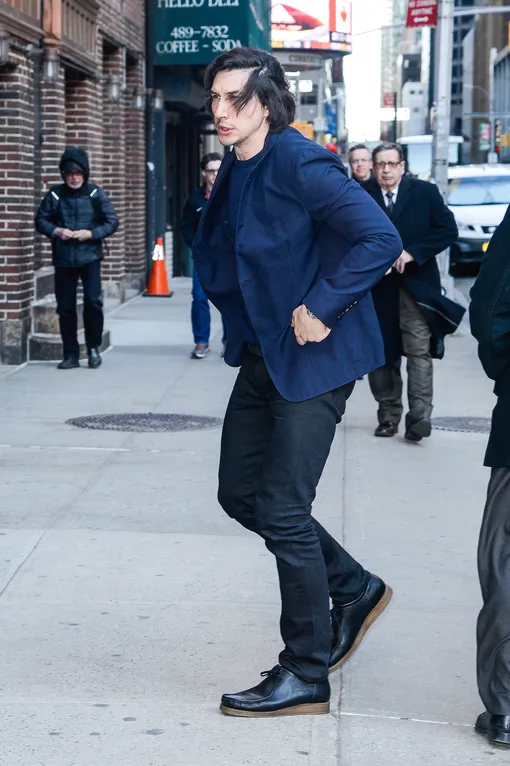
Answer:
(63, 233)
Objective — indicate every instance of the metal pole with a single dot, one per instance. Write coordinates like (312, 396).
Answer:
(441, 132)
(320, 112)
(395, 130)
(493, 157)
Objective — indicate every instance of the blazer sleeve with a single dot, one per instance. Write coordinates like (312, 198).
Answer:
(489, 311)
(442, 230)
(189, 222)
(329, 196)
(45, 222)
(110, 222)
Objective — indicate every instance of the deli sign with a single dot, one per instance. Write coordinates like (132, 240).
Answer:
(422, 13)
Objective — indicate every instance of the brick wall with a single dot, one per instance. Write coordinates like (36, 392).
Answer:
(37, 121)
(16, 208)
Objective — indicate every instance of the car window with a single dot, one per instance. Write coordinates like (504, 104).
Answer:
(492, 190)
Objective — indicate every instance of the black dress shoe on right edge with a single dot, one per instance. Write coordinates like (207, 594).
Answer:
(68, 363)
(351, 622)
(495, 728)
(280, 693)
(386, 429)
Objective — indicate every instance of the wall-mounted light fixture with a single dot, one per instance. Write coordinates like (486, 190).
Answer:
(51, 60)
(4, 46)
(138, 102)
(158, 100)
(51, 65)
(114, 88)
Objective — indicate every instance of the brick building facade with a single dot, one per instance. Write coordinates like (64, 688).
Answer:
(100, 49)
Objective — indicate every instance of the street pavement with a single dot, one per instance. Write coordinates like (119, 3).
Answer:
(130, 602)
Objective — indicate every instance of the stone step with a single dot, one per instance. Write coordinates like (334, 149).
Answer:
(47, 347)
(44, 282)
(45, 317)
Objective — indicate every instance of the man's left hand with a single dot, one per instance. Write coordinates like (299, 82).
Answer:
(308, 329)
(402, 261)
(82, 235)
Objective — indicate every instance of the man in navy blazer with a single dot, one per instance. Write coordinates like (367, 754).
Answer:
(288, 249)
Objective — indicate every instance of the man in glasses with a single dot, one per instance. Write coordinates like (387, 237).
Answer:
(408, 301)
(360, 161)
(200, 311)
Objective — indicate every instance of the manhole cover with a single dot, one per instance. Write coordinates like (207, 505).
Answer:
(468, 425)
(145, 421)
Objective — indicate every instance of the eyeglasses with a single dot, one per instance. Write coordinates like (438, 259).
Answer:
(382, 165)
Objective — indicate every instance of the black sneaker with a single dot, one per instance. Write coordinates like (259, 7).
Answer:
(95, 360)
(68, 363)
(280, 693)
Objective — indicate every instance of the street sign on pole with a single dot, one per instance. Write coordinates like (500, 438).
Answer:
(421, 13)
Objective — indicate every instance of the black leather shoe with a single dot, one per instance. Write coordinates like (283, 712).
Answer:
(68, 363)
(418, 430)
(386, 429)
(95, 360)
(280, 693)
(351, 621)
(495, 728)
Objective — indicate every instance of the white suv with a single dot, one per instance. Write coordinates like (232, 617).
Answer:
(478, 196)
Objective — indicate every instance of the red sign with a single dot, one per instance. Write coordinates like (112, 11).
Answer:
(389, 99)
(421, 13)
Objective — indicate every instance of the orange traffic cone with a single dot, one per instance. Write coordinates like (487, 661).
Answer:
(158, 282)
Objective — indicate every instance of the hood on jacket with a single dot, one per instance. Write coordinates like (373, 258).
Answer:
(75, 157)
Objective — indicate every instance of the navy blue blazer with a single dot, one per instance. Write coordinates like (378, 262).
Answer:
(305, 234)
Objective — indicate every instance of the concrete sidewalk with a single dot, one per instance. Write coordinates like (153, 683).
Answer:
(130, 602)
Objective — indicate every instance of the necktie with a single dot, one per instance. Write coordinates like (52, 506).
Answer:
(390, 205)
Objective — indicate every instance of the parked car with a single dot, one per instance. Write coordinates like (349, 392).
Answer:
(478, 196)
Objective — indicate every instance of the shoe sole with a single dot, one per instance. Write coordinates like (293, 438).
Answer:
(94, 366)
(493, 742)
(420, 430)
(318, 708)
(386, 436)
(369, 621)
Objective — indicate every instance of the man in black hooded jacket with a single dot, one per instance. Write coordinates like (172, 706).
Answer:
(77, 216)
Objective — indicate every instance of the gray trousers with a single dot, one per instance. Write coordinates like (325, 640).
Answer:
(386, 382)
(493, 629)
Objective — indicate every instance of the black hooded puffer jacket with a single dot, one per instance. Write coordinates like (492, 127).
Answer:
(86, 208)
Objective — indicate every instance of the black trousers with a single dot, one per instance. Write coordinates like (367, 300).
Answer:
(493, 629)
(66, 286)
(273, 453)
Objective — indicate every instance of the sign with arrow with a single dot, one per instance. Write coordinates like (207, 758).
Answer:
(421, 13)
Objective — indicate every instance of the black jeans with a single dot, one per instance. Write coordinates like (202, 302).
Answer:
(493, 629)
(66, 285)
(273, 453)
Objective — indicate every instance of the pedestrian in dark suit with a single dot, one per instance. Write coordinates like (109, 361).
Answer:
(426, 227)
(490, 324)
(77, 216)
(288, 249)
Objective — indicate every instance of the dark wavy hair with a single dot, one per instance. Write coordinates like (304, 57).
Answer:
(267, 83)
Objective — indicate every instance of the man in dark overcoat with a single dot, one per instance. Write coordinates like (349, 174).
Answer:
(490, 324)
(413, 314)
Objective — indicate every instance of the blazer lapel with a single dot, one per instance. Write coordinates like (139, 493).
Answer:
(404, 192)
